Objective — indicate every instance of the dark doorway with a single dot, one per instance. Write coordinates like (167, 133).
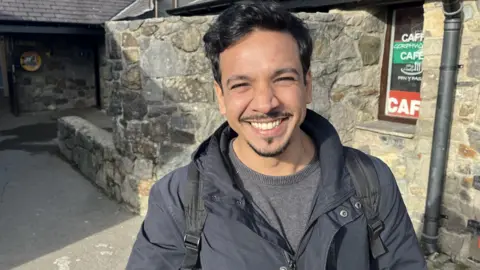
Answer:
(6, 99)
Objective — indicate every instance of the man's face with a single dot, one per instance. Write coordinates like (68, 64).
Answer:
(264, 93)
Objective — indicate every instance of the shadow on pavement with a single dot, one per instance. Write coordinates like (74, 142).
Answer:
(35, 138)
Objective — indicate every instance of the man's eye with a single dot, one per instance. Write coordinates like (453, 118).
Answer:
(239, 85)
(286, 79)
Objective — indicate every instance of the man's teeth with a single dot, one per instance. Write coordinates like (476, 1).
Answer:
(266, 126)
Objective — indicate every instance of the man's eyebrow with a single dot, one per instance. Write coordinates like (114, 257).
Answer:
(285, 70)
(236, 78)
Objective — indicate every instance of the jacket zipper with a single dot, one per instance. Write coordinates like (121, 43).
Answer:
(291, 263)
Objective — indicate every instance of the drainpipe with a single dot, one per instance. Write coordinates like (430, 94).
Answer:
(443, 118)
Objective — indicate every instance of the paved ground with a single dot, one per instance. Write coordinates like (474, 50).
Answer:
(51, 216)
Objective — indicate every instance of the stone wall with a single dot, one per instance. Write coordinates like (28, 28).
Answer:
(106, 74)
(163, 101)
(92, 151)
(65, 79)
(409, 154)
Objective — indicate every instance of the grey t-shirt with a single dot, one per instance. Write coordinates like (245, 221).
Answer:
(285, 201)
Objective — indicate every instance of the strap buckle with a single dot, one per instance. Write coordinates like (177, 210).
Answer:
(375, 228)
(191, 241)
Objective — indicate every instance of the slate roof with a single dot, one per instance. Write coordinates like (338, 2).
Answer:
(62, 11)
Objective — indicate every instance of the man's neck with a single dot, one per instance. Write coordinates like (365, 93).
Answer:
(296, 156)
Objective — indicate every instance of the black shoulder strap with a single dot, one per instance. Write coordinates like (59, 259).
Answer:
(194, 219)
(365, 179)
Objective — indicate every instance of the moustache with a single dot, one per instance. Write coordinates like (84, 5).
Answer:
(270, 115)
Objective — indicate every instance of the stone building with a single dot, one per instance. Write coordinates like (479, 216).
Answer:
(50, 52)
(377, 77)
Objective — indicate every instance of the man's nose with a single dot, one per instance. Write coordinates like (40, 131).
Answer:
(265, 99)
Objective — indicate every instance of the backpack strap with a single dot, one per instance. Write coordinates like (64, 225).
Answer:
(366, 182)
(195, 216)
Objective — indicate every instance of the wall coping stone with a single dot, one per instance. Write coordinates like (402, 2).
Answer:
(100, 136)
(389, 128)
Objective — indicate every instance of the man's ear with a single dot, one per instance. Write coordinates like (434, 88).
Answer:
(308, 86)
(220, 98)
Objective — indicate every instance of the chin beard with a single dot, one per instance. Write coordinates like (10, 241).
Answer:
(274, 153)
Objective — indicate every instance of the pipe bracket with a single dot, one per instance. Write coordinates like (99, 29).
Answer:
(451, 14)
(430, 237)
(454, 67)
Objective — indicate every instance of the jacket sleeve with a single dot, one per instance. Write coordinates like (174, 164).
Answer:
(403, 249)
(159, 243)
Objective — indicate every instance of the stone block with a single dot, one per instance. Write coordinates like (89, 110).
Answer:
(131, 56)
(452, 184)
(149, 29)
(477, 117)
(129, 41)
(370, 48)
(333, 30)
(432, 46)
(433, 22)
(428, 109)
(188, 89)
(129, 195)
(371, 77)
(465, 151)
(354, 19)
(168, 27)
(343, 48)
(415, 204)
(373, 24)
(143, 168)
(64, 150)
(474, 138)
(183, 137)
(113, 46)
(143, 147)
(463, 166)
(134, 106)
(473, 64)
(473, 25)
(101, 179)
(135, 25)
(453, 243)
(162, 59)
(132, 78)
(187, 40)
(158, 129)
(424, 128)
(349, 79)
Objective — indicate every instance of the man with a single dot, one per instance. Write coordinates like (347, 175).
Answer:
(276, 190)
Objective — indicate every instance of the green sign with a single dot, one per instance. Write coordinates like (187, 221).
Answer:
(407, 52)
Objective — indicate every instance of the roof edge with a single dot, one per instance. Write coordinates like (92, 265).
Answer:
(125, 12)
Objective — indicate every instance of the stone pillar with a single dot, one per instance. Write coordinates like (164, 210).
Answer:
(162, 101)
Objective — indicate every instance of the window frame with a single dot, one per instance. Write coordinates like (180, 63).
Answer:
(386, 66)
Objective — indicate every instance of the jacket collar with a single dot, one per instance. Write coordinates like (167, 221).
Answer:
(212, 161)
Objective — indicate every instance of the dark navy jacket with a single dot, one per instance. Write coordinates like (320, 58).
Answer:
(236, 237)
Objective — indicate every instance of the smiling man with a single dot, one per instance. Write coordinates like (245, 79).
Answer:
(270, 189)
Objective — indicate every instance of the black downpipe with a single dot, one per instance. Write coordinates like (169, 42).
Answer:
(443, 119)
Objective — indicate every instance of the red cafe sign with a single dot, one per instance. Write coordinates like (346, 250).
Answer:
(403, 104)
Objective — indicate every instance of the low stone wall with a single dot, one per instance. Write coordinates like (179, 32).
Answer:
(91, 150)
